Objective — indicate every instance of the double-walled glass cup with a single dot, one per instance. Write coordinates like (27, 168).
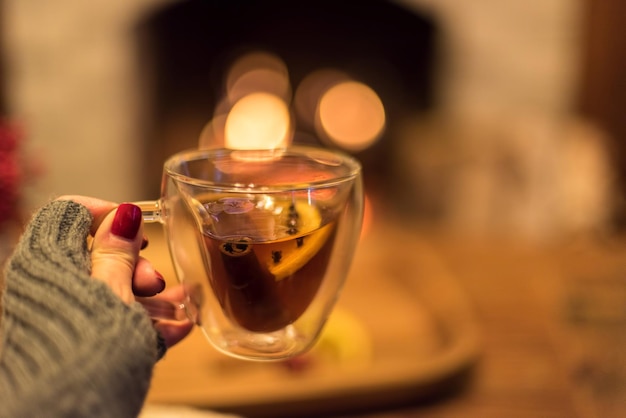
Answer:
(261, 241)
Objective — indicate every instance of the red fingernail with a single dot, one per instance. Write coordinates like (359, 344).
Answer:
(127, 221)
(144, 243)
(161, 280)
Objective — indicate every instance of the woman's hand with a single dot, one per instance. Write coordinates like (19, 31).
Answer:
(117, 232)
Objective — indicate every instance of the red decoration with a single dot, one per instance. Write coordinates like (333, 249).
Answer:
(15, 172)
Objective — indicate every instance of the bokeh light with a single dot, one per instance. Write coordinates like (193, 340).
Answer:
(258, 121)
(255, 72)
(311, 89)
(351, 115)
(212, 134)
(255, 111)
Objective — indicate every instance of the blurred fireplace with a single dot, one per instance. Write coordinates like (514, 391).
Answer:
(185, 49)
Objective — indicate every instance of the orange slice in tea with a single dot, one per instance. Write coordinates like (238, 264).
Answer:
(308, 240)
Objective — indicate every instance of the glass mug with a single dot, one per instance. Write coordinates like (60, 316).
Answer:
(261, 241)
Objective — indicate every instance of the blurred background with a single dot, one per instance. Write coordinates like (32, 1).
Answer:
(496, 114)
(482, 119)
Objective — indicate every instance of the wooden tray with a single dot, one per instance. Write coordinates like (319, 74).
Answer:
(403, 330)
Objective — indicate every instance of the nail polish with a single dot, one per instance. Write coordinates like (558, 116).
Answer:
(126, 221)
(161, 280)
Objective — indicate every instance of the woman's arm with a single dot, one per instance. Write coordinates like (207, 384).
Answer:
(69, 346)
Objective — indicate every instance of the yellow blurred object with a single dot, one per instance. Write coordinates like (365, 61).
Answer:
(344, 341)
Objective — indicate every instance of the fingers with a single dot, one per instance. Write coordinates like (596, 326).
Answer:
(117, 239)
(173, 331)
(115, 248)
(146, 280)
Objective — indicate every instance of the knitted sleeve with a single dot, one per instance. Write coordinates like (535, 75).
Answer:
(68, 345)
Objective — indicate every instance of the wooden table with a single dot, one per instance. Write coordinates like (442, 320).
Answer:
(551, 319)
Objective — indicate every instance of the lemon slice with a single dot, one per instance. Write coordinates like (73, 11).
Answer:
(345, 340)
(296, 253)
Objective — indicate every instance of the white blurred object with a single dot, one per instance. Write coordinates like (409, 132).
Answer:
(530, 176)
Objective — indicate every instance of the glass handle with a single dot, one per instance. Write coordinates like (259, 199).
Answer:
(150, 209)
(171, 311)
(158, 308)
(163, 309)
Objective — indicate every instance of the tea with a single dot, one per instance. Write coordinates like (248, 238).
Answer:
(265, 285)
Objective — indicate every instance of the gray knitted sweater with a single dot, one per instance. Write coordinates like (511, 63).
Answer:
(69, 347)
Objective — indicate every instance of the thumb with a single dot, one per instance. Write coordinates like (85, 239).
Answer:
(115, 249)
